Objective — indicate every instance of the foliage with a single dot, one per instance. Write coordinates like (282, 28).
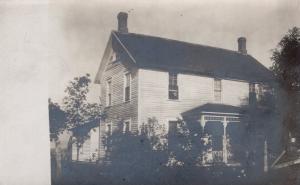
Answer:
(78, 110)
(57, 119)
(286, 67)
(286, 59)
(135, 157)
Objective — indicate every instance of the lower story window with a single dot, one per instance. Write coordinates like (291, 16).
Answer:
(126, 126)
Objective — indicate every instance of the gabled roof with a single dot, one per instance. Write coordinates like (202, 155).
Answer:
(165, 54)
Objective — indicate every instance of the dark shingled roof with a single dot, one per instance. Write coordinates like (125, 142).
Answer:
(213, 107)
(166, 54)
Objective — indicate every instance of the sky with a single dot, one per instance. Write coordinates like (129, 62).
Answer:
(44, 44)
(79, 31)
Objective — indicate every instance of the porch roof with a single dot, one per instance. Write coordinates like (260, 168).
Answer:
(213, 108)
(286, 159)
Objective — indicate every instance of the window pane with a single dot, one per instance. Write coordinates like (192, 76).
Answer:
(217, 90)
(108, 93)
(252, 87)
(218, 96)
(127, 93)
(173, 87)
(109, 129)
(126, 126)
(172, 128)
(218, 84)
(109, 99)
(127, 87)
(127, 80)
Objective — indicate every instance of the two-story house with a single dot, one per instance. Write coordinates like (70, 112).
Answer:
(144, 76)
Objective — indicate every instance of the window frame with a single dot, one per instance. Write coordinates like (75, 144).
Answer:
(124, 87)
(108, 98)
(173, 87)
(252, 88)
(124, 126)
(217, 90)
(109, 133)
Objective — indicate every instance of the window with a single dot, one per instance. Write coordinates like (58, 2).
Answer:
(252, 88)
(252, 93)
(127, 87)
(172, 128)
(126, 126)
(213, 134)
(173, 87)
(113, 57)
(217, 90)
(173, 138)
(109, 129)
(108, 92)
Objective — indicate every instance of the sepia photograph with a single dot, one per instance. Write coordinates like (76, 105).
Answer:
(159, 103)
(170, 92)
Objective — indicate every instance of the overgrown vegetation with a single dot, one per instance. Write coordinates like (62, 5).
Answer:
(286, 67)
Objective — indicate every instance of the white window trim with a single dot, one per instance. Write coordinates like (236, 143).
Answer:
(130, 86)
(106, 93)
(124, 126)
(214, 100)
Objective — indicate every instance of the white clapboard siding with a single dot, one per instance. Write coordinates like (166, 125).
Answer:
(89, 148)
(120, 110)
(235, 92)
(194, 91)
(94, 144)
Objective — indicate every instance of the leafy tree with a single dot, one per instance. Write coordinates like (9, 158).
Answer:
(57, 119)
(286, 67)
(78, 110)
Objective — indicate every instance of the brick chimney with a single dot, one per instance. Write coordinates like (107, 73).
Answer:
(242, 45)
(122, 22)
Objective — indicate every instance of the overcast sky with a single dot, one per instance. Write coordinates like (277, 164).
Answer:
(54, 42)
(79, 31)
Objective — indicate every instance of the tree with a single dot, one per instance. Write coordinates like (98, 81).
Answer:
(286, 67)
(57, 119)
(78, 111)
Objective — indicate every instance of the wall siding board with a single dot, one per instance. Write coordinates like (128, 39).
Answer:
(119, 110)
(235, 93)
(193, 91)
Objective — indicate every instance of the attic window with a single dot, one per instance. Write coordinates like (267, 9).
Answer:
(113, 57)
(173, 87)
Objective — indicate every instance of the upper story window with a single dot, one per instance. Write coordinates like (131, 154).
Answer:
(173, 87)
(127, 86)
(108, 92)
(217, 90)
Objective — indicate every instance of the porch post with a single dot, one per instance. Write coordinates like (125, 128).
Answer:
(202, 122)
(225, 141)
